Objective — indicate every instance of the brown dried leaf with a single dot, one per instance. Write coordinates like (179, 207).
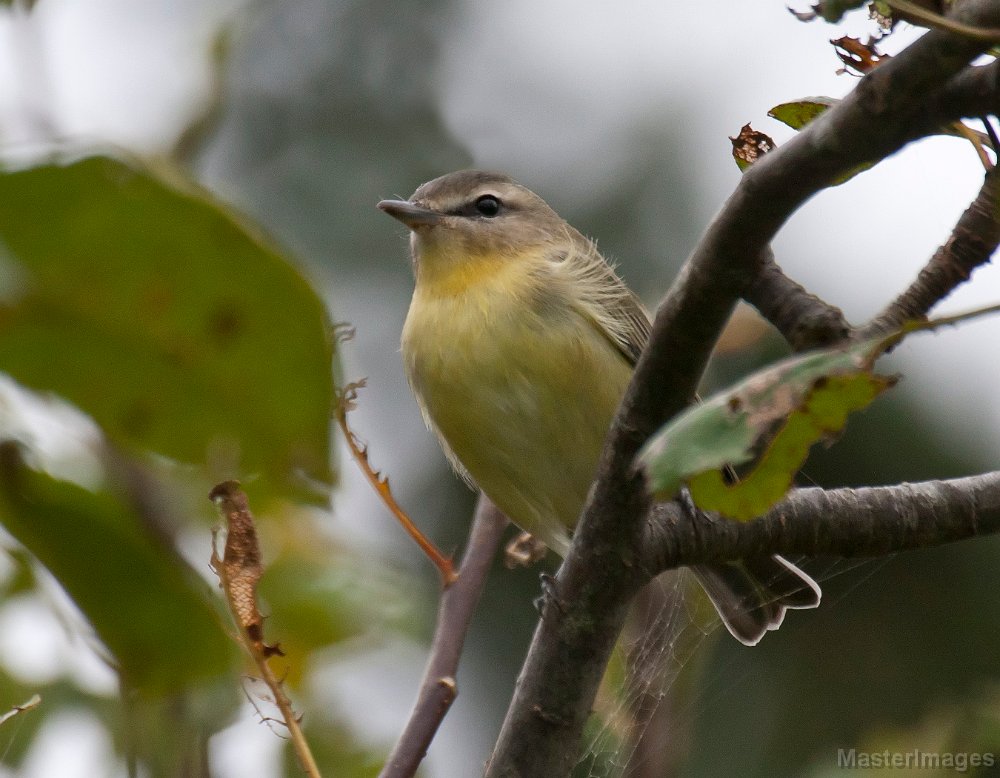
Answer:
(239, 571)
(750, 145)
(241, 565)
(858, 58)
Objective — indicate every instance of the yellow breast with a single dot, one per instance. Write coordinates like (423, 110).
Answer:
(520, 387)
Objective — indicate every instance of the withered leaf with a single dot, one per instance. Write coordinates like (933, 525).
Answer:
(750, 145)
(858, 58)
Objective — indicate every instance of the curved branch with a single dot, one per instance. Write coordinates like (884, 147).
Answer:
(971, 244)
(870, 521)
(801, 317)
(603, 570)
(438, 688)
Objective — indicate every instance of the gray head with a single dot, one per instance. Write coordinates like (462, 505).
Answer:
(473, 213)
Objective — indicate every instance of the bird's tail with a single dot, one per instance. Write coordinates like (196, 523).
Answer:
(752, 595)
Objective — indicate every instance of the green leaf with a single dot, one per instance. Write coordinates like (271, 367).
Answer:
(766, 426)
(157, 618)
(156, 311)
(799, 113)
(822, 414)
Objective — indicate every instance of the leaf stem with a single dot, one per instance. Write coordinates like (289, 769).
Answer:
(346, 399)
(928, 18)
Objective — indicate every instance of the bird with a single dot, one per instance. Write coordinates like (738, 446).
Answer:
(518, 345)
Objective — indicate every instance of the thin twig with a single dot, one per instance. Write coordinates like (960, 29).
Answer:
(927, 18)
(438, 688)
(978, 141)
(971, 244)
(239, 570)
(33, 702)
(345, 402)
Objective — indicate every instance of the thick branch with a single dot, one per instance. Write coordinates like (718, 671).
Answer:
(582, 619)
(839, 522)
(804, 319)
(973, 92)
(970, 245)
(458, 602)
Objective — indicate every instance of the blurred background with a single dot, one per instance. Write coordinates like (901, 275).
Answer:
(302, 115)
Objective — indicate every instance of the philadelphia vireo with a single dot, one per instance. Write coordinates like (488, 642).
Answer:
(519, 344)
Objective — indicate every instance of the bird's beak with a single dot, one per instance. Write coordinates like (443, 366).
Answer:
(411, 214)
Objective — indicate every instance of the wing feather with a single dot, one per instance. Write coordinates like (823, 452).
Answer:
(602, 297)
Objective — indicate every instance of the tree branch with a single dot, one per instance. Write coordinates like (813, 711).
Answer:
(970, 245)
(973, 92)
(458, 602)
(802, 318)
(869, 521)
(585, 610)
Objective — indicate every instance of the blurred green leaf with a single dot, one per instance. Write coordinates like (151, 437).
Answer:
(309, 606)
(157, 312)
(148, 607)
(317, 593)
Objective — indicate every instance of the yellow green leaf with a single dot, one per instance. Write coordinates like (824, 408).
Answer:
(823, 414)
(799, 113)
(764, 427)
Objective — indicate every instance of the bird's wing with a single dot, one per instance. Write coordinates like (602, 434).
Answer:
(604, 298)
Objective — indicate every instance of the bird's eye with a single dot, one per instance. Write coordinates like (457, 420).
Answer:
(488, 206)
